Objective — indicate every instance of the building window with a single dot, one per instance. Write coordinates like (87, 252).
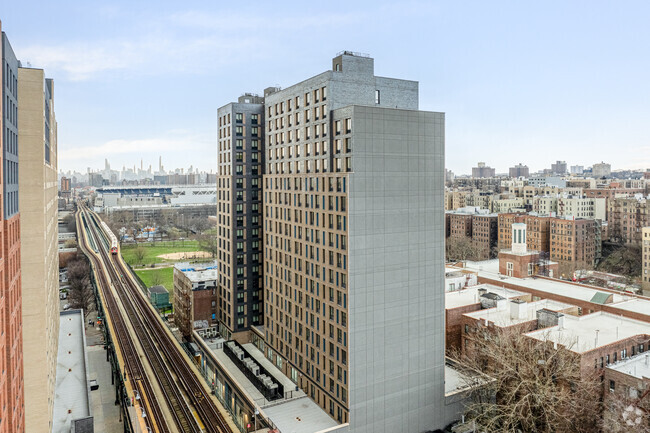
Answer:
(239, 117)
(377, 99)
(612, 386)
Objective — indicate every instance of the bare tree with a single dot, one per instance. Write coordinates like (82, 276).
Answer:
(80, 294)
(156, 278)
(200, 224)
(209, 243)
(70, 222)
(533, 386)
(139, 253)
(461, 249)
(624, 413)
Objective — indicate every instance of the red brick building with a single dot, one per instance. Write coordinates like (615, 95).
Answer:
(573, 244)
(628, 383)
(626, 217)
(12, 403)
(196, 297)
(515, 314)
(599, 339)
(479, 227)
(485, 235)
(471, 299)
(460, 225)
(538, 228)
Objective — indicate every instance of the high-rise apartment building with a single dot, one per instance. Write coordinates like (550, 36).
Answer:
(12, 403)
(354, 246)
(626, 216)
(519, 170)
(65, 190)
(601, 170)
(559, 167)
(239, 214)
(573, 244)
(37, 130)
(482, 171)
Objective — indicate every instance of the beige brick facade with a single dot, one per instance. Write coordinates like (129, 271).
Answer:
(39, 255)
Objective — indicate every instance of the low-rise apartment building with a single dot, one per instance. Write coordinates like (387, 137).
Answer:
(598, 339)
(468, 300)
(196, 297)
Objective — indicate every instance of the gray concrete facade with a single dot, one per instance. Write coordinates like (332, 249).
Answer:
(396, 256)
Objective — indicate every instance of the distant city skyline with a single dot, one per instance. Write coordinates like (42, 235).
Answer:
(517, 81)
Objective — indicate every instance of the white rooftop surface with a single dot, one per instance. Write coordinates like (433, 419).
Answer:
(469, 295)
(200, 274)
(72, 386)
(299, 414)
(504, 318)
(579, 332)
(490, 269)
(637, 366)
(453, 380)
(641, 306)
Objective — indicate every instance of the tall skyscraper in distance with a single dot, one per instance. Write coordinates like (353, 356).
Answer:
(12, 402)
(240, 159)
(353, 246)
(37, 130)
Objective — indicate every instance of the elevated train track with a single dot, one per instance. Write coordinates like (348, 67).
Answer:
(153, 360)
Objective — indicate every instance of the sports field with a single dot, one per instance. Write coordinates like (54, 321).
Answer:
(152, 251)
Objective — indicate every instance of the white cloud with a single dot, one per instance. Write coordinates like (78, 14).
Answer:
(191, 41)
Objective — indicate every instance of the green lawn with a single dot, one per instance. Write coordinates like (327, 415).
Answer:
(152, 251)
(165, 278)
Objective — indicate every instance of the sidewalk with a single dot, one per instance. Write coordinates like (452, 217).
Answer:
(106, 414)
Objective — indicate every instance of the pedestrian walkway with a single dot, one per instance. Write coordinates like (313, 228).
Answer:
(106, 414)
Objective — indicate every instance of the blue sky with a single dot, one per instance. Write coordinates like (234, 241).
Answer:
(527, 82)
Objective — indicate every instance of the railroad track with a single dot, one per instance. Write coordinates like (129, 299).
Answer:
(178, 381)
(133, 365)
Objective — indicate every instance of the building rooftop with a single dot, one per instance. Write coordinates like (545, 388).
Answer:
(295, 413)
(584, 333)
(637, 366)
(635, 305)
(71, 399)
(197, 272)
(471, 295)
(158, 289)
(504, 315)
(490, 269)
